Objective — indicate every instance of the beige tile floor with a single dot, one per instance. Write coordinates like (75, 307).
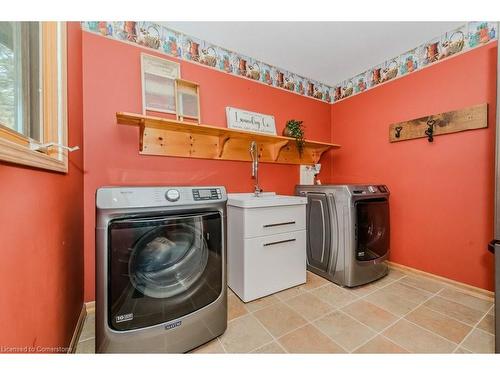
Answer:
(401, 313)
(86, 341)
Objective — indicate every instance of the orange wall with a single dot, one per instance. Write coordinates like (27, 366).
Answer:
(441, 193)
(41, 235)
(112, 82)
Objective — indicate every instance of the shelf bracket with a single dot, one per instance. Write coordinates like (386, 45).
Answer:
(318, 153)
(278, 146)
(142, 128)
(220, 146)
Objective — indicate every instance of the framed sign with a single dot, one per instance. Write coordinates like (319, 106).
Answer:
(158, 84)
(250, 121)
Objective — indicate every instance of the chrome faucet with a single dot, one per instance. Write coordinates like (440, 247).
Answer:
(254, 153)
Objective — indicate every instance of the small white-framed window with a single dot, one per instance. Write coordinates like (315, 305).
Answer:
(33, 118)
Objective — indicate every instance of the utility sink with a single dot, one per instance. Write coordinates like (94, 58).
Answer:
(268, 199)
(266, 247)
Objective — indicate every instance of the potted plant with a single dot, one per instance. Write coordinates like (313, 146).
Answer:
(295, 129)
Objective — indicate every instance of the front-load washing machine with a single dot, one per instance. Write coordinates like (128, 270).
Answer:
(160, 268)
(347, 232)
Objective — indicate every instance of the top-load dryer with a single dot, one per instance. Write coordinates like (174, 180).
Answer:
(347, 232)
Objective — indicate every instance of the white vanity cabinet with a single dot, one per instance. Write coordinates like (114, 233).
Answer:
(266, 249)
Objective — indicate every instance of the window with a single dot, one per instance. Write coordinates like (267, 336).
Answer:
(33, 122)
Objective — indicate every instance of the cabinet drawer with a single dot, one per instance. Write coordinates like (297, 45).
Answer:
(274, 263)
(267, 221)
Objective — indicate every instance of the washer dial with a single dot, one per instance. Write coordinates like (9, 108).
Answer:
(172, 195)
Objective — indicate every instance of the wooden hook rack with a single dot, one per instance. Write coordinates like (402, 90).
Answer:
(475, 117)
(160, 136)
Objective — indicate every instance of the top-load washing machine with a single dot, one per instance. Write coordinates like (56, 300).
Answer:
(160, 268)
(347, 232)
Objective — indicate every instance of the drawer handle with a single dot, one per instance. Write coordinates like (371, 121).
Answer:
(278, 224)
(279, 242)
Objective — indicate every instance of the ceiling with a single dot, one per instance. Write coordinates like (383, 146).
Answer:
(325, 51)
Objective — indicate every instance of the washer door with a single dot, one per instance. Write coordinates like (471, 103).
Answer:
(372, 228)
(163, 268)
(169, 259)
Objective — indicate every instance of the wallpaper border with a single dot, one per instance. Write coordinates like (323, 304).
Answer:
(182, 46)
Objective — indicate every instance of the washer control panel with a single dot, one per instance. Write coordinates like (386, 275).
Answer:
(157, 196)
(207, 194)
(382, 188)
(369, 189)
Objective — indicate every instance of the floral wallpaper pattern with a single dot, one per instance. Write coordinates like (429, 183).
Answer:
(463, 38)
(185, 47)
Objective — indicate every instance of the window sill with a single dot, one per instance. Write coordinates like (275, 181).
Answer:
(21, 154)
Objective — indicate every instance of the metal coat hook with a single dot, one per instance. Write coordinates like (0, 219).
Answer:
(430, 130)
(398, 131)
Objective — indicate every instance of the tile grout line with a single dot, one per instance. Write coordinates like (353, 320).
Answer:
(395, 343)
(222, 346)
(479, 322)
(454, 301)
(285, 301)
(402, 317)
(449, 316)
(254, 351)
(311, 322)
(437, 294)
(444, 286)
(492, 308)
(90, 338)
(270, 334)
(373, 330)
(453, 287)
(361, 298)
(335, 309)
(445, 283)
(254, 317)
(328, 282)
(358, 298)
(308, 322)
(472, 330)
(428, 330)
(398, 318)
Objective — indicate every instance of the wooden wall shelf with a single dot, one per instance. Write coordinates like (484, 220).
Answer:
(160, 136)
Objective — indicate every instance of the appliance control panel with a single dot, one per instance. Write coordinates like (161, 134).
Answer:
(370, 189)
(207, 194)
(157, 196)
(382, 188)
